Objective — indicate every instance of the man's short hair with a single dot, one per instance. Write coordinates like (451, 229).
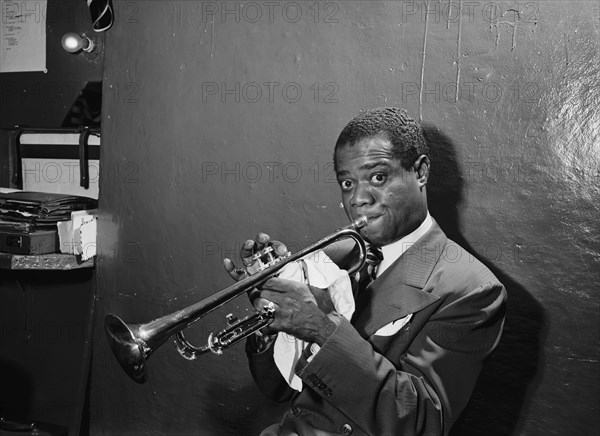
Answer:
(392, 123)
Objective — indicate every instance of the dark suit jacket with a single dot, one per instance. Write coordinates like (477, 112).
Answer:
(416, 382)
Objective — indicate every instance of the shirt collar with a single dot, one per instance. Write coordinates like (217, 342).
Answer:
(393, 251)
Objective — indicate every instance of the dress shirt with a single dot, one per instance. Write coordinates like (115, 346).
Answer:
(393, 251)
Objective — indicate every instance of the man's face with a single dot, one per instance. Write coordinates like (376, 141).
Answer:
(374, 184)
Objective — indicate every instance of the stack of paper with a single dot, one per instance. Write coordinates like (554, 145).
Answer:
(28, 209)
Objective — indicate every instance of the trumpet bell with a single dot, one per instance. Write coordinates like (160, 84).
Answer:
(127, 348)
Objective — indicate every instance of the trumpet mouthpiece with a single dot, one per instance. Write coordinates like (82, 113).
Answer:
(359, 222)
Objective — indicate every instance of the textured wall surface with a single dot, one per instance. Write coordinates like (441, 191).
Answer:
(222, 122)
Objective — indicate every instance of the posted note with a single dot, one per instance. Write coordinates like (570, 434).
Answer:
(23, 35)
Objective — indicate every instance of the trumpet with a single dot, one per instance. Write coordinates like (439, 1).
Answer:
(132, 344)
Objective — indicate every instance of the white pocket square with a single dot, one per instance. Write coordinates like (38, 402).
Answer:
(393, 327)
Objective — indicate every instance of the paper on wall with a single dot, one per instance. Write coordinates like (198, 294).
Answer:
(23, 35)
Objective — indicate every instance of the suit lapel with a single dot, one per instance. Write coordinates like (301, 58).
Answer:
(399, 290)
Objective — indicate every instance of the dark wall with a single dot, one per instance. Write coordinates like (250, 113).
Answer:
(226, 127)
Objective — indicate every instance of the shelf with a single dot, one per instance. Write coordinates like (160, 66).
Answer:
(44, 262)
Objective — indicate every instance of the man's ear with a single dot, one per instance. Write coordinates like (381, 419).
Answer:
(421, 167)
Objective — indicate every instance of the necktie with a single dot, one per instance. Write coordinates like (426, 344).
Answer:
(373, 258)
(367, 274)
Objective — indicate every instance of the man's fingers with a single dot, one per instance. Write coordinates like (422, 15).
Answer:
(228, 264)
(262, 239)
(247, 251)
(236, 274)
(261, 302)
(251, 247)
(253, 294)
(279, 248)
(266, 296)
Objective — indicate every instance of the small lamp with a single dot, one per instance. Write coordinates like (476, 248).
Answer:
(74, 43)
(90, 47)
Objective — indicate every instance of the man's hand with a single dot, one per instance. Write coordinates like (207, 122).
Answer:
(301, 310)
(247, 252)
(297, 311)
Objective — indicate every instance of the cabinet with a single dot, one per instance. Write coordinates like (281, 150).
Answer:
(46, 320)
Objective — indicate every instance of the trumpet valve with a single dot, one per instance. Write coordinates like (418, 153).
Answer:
(266, 258)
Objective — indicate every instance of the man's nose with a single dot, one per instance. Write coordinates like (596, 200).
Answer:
(362, 196)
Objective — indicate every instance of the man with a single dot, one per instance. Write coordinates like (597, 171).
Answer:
(408, 360)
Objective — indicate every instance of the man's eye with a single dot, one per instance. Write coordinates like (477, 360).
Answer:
(378, 179)
(346, 185)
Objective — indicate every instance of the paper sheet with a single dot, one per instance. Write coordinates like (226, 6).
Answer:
(23, 35)
(78, 235)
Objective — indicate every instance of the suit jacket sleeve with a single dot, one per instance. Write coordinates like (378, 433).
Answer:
(421, 389)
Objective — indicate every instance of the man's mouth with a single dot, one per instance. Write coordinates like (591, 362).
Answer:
(371, 218)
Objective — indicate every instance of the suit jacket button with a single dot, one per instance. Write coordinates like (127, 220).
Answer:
(295, 410)
(346, 429)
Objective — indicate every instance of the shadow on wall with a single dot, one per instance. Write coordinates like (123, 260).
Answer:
(503, 394)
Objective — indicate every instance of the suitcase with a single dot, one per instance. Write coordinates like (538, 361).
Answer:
(34, 242)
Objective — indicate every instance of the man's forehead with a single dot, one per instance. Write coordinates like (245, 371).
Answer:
(380, 139)
(369, 149)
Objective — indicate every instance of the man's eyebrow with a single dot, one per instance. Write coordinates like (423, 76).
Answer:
(367, 166)
(375, 164)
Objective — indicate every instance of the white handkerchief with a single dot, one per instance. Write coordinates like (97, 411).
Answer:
(319, 271)
(393, 327)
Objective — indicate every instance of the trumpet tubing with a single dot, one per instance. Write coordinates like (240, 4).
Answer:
(133, 344)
